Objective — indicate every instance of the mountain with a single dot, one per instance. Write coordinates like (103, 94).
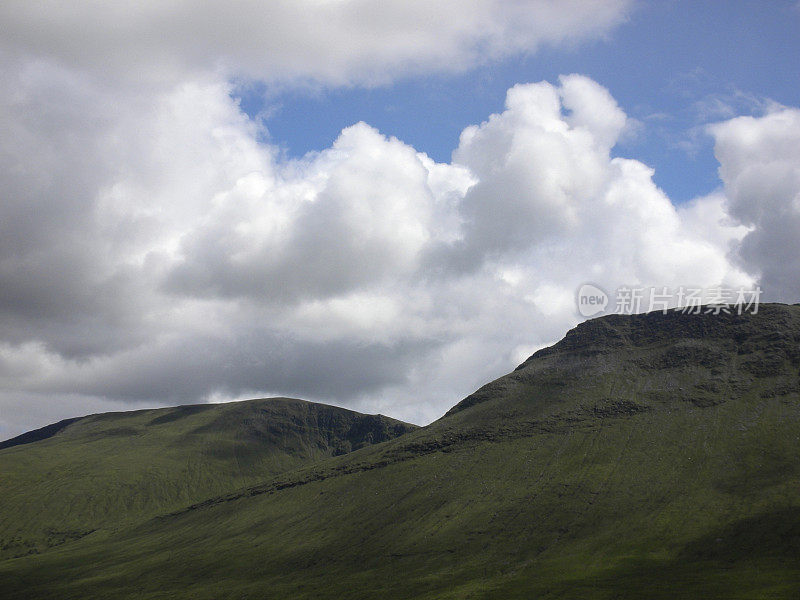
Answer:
(81, 475)
(643, 456)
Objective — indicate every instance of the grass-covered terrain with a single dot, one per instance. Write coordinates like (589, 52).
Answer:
(649, 456)
(109, 470)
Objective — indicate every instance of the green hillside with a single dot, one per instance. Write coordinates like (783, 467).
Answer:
(69, 479)
(647, 456)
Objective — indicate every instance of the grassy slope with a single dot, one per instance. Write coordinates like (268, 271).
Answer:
(641, 457)
(111, 469)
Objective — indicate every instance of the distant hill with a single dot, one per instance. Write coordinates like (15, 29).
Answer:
(647, 456)
(66, 480)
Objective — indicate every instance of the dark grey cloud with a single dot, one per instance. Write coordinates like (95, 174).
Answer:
(192, 368)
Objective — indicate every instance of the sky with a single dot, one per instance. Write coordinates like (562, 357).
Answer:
(378, 205)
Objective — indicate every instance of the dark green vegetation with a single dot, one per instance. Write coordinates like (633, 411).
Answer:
(67, 480)
(649, 456)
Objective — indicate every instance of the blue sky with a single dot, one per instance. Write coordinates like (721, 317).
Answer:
(666, 66)
(375, 204)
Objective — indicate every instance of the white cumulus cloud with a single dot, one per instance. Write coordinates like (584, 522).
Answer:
(158, 253)
(154, 250)
(760, 167)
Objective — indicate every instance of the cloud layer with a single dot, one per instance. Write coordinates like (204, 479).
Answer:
(332, 41)
(153, 250)
(760, 166)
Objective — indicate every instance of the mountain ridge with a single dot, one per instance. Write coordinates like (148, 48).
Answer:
(89, 472)
(674, 330)
(578, 339)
